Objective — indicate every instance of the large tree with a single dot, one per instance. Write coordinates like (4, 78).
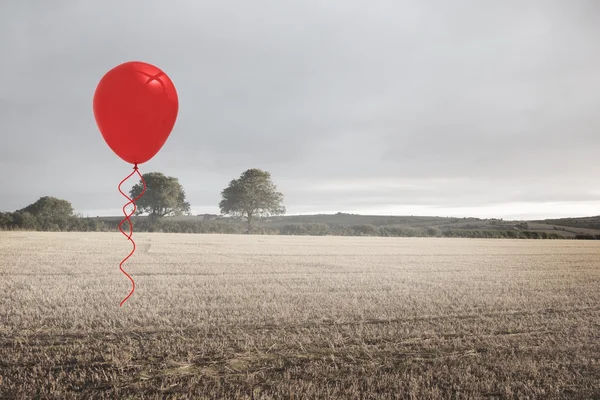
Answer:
(164, 196)
(50, 213)
(252, 195)
(48, 206)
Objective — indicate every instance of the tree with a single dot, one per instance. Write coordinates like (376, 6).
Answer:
(252, 195)
(25, 220)
(164, 196)
(6, 220)
(50, 206)
(51, 213)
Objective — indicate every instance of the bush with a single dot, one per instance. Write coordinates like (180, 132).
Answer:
(311, 229)
(587, 237)
(364, 230)
(25, 220)
(6, 220)
(432, 232)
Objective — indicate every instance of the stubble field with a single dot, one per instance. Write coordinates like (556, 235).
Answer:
(224, 316)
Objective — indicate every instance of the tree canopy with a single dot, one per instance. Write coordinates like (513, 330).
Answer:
(251, 196)
(49, 212)
(164, 196)
(50, 206)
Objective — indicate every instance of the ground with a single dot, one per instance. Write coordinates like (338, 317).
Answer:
(274, 317)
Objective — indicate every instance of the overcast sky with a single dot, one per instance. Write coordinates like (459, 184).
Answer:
(450, 108)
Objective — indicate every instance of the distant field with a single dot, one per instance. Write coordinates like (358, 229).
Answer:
(277, 317)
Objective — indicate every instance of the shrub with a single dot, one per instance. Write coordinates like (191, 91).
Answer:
(25, 220)
(6, 220)
(364, 230)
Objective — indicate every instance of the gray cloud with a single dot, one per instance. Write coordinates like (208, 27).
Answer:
(350, 105)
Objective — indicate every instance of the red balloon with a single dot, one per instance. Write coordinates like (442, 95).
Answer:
(135, 106)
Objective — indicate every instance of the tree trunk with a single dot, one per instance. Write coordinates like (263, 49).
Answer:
(249, 217)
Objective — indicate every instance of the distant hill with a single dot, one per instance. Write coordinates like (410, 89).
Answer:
(581, 222)
(566, 227)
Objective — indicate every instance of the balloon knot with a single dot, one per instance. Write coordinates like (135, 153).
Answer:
(135, 167)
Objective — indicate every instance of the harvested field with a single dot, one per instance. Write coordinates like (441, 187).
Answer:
(274, 317)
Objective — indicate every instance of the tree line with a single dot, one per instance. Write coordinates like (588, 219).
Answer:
(249, 198)
(25, 221)
(252, 196)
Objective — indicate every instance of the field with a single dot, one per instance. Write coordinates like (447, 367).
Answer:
(278, 317)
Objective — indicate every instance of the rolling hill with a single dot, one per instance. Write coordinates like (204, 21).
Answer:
(567, 227)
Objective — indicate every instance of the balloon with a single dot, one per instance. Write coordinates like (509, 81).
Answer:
(135, 107)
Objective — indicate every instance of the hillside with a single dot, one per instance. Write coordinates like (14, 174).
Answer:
(567, 227)
(579, 223)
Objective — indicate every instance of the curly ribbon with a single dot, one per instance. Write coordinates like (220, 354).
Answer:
(128, 219)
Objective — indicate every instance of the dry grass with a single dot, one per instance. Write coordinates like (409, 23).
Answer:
(298, 317)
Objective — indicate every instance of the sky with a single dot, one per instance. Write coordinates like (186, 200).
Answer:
(446, 108)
